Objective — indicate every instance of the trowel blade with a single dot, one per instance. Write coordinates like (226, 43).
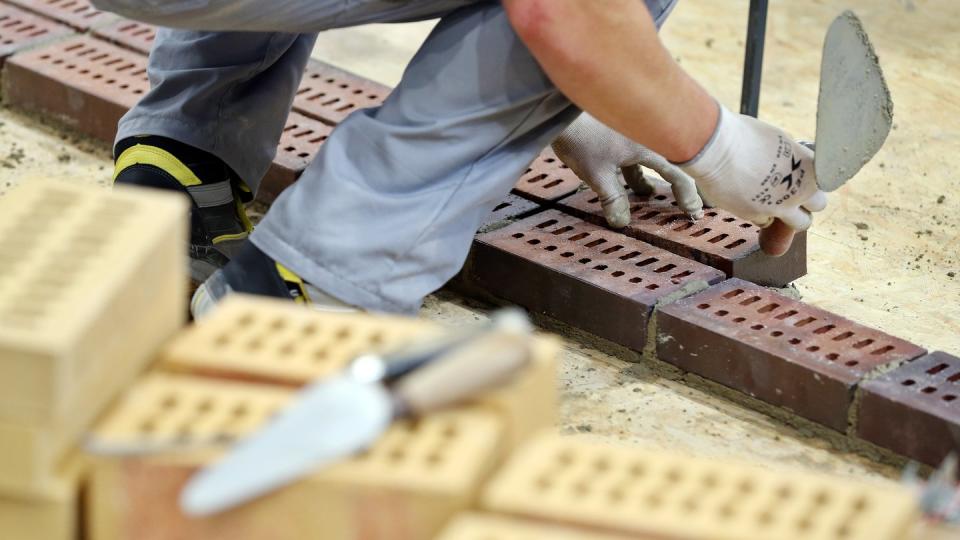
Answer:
(854, 110)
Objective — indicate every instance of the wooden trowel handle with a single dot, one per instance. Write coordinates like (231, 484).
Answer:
(776, 239)
(464, 372)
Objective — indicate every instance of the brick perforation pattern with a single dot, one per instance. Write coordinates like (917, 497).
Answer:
(20, 30)
(329, 94)
(133, 35)
(79, 14)
(547, 179)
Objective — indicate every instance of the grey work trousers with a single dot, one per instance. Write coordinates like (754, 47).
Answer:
(385, 213)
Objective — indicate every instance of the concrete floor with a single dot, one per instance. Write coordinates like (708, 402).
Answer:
(882, 254)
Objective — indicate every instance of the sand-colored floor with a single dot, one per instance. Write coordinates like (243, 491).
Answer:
(882, 254)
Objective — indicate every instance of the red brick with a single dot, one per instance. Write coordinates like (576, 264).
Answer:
(914, 410)
(21, 30)
(581, 274)
(720, 239)
(512, 208)
(775, 348)
(79, 14)
(87, 83)
(329, 94)
(133, 35)
(547, 180)
(299, 143)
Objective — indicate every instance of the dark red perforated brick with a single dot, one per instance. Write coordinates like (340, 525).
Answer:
(915, 409)
(329, 94)
(79, 14)
(512, 208)
(133, 35)
(720, 239)
(547, 179)
(21, 30)
(299, 143)
(581, 274)
(775, 348)
(86, 82)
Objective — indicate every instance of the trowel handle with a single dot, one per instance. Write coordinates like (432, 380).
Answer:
(478, 366)
(776, 239)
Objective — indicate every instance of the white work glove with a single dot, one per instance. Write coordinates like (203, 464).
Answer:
(757, 172)
(595, 153)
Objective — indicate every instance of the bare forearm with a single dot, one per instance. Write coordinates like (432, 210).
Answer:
(605, 56)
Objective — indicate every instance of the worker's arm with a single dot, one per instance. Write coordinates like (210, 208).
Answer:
(607, 58)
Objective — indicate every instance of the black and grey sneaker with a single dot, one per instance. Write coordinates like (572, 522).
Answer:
(218, 221)
(252, 271)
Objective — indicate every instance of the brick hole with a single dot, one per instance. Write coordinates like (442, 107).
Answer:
(518, 235)
(813, 348)
(551, 248)
(536, 179)
(544, 483)
(595, 243)
(739, 319)
(309, 329)
(682, 275)
(955, 377)
(222, 340)
(833, 357)
(562, 230)
(612, 249)
(733, 294)
(661, 197)
(711, 214)
(883, 350)
(851, 363)
(319, 356)
(567, 254)
(824, 329)
(700, 233)
(776, 333)
(735, 244)
(863, 343)
(597, 199)
(533, 241)
(722, 313)
(684, 226)
(665, 268)
(703, 306)
(949, 397)
(768, 308)
(584, 260)
(843, 336)
(629, 256)
(729, 219)
(670, 219)
(580, 236)
(646, 262)
(649, 215)
(343, 334)
(554, 183)
(170, 401)
(929, 390)
(937, 369)
(618, 273)
(600, 267)
(751, 300)
(546, 224)
(636, 280)
(757, 327)
(719, 238)
(908, 382)
(805, 322)
(288, 349)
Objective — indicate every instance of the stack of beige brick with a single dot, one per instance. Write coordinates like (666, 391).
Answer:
(91, 284)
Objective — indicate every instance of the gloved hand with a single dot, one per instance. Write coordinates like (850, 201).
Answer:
(759, 173)
(595, 152)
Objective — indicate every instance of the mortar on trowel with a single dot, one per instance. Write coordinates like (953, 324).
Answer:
(854, 115)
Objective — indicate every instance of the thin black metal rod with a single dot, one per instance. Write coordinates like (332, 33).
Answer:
(753, 61)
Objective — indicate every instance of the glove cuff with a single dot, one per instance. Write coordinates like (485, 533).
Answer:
(714, 154)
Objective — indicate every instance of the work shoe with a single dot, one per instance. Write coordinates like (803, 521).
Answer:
(218, 221)
(252, 271)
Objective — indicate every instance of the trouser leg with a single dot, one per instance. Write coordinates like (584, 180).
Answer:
(386, 212)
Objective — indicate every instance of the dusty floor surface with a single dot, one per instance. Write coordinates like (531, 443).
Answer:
(884, 253)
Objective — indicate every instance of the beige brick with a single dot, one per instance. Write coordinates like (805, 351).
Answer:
(406, 486)
(271, 341)
(91, 283)
(631, 491)
(55, 516)
(475, 526)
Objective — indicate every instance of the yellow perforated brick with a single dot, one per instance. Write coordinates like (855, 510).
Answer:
(275, 341)
(660, 493)
(91, 283)
(264, 340)
(495, 527)
(414, 478)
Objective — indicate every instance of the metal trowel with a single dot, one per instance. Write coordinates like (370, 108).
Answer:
(854, 114)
